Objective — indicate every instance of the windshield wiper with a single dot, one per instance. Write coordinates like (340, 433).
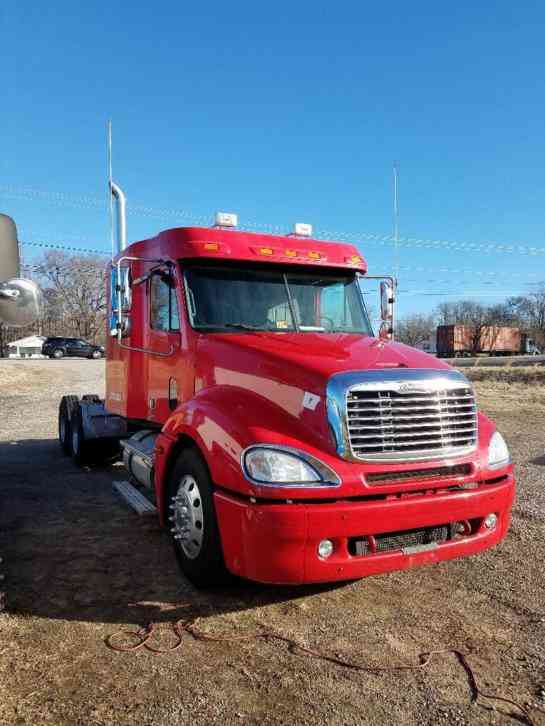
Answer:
(244, 326)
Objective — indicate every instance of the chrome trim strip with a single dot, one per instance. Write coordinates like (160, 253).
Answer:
(330, 477)
(409, 380)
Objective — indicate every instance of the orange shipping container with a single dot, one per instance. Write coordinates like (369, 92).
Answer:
(500, 339)
(455, 340)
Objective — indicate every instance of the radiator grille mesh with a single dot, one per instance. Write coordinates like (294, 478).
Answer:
(388, 422)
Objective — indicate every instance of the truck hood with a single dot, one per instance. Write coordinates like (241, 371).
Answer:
(288, 373)
(318, 355)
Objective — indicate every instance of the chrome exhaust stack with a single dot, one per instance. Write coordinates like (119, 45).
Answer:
(121, 204)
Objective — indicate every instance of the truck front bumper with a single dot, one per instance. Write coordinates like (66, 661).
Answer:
(278, 543)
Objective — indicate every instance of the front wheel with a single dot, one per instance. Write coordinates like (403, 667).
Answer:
(193, 523)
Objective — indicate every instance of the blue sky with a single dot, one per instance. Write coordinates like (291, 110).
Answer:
(287, 112)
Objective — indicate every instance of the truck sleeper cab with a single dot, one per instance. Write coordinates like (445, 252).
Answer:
(283, 442)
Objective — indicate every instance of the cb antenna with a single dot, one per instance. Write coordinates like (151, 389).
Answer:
(396, 218)
(114, 190)
(110, 181)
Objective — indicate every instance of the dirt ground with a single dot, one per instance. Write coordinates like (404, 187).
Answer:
(80, 565)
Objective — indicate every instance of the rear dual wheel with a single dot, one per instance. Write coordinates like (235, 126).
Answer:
(67, 408)
(81, 449)
(85, 452)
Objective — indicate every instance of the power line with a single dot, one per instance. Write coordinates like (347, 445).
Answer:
(408, 268)
(59, 246)
(63, 198)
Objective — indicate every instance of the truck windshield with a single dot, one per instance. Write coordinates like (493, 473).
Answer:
(240, 298)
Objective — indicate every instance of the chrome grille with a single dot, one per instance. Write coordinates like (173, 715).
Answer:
(419, 422)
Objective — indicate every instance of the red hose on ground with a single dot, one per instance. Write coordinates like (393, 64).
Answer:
(144, 635)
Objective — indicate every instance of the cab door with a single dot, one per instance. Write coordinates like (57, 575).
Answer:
(164, 343)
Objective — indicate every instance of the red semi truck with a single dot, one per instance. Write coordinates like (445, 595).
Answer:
(281, 439)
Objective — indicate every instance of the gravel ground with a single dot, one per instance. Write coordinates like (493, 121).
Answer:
(80, 565)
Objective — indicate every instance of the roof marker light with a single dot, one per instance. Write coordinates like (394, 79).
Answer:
(354, 260)
(211, 246)
(315, 255)
(225, 219)
(290, 253)
(300, 229)
(266, 251)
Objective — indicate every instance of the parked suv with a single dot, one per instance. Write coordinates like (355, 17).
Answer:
(60, 347)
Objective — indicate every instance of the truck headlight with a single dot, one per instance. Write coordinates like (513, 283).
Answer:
(498, 453)
(284, 466)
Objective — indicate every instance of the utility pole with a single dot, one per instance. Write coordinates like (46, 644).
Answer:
(396, 219)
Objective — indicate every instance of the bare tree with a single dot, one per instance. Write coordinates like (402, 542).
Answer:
(529, 311)
(415, 329)
(75, 295)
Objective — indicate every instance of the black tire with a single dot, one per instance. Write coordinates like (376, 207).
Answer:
(207, 568)
(67, 407)
(81, 450)
(58, 353)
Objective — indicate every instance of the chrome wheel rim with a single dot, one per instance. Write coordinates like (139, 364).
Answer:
(188, 517)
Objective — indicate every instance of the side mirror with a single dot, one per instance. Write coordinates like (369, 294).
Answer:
(120, 300)
(9, 249)
(20, 302)
(126, 288)
(386, 301)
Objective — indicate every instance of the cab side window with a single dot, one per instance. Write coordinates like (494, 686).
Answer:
(163, 304)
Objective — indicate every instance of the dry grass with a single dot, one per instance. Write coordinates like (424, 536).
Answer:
(529, 375)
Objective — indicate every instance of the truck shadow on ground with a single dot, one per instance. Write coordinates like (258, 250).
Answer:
(73, 550)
